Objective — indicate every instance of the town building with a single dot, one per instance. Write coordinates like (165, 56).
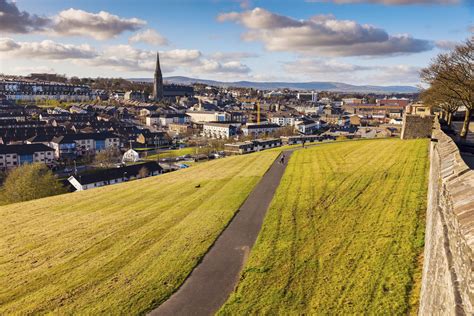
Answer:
(158, 81)
(307, 126)
(259, 129)
(154, 139)
(81, 144)
(12, 156)
(208, 116)
(220, 129)
(179, 128)
(283, 119)
(307, 96)
(104, 177)
(251, 146)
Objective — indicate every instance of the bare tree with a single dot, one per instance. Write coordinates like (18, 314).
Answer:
(108, 156)
(437, 96)
(454, 72)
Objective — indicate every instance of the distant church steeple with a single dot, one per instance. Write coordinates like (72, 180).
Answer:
(158, 82)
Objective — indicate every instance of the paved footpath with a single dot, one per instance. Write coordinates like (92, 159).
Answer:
(211, 282)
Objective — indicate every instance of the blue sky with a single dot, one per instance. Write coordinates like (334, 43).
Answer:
(353, 41)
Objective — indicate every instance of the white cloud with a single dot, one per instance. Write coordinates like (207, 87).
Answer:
(8, 44)
(398, 74)
(321, 66)
(322, 35)
(101, 26)
(446, 44)
(227, 56)
(391, 2)
(46, 49)
(13, 20)
(129, 59)
(215, 67)
(72, 22)
(316, 69)
(149, 36)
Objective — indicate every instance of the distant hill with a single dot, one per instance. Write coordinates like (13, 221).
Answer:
(314, 85)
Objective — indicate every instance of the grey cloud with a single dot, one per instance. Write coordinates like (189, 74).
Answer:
(72, 22)
(12, 20)
(322, 35)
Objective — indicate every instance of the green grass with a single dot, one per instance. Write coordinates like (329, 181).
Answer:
(173, 153)
(121, 249)
(343, 233)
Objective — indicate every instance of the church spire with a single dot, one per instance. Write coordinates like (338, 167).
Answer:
(158, 80)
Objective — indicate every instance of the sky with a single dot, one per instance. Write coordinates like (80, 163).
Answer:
(378, 42)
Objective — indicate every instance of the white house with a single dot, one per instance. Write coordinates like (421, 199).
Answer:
(219, 130)
(256, 129)
(114, 175)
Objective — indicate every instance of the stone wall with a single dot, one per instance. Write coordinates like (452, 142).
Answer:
(415, 126)
(448, 281)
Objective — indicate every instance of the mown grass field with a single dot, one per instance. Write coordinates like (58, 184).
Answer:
(343, 234)
(172, 153)
(121, 249)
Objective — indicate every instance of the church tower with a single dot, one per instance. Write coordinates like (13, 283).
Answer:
(158, 82)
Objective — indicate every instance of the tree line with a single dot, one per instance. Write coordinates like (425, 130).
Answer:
(450, 77)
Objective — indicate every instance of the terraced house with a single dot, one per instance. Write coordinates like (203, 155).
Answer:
(220, 130)
(81, 144)
(12, 156)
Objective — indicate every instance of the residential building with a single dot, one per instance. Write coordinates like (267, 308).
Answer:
(239, 148)
(220, 130)
(81, 144)
(178, 118)
(307, 96)
(262, 129)
(152, 120)
(154, 139)
(398, 102)
(179, 128)
(283, 119)
(209, 116)
(115, 175)
(251, 146)
(12, 156)
(307, 126)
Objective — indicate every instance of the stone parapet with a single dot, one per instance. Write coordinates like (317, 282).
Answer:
(448, 281)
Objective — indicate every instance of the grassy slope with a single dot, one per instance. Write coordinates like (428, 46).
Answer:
(172, 153)
(342, 235)
(121, 249)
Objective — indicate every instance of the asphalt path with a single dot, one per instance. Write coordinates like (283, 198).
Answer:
(211, 282)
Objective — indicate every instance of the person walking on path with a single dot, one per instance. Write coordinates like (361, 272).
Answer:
(282, 159)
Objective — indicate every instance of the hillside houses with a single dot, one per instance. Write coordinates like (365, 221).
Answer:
(154, 139)
(12, 156)
(77, 145)
(104, 177)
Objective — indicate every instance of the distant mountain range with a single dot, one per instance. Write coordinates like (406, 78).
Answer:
(314, 85)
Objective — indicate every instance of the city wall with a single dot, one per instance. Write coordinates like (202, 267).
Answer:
(416, 126)
(448, 282)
